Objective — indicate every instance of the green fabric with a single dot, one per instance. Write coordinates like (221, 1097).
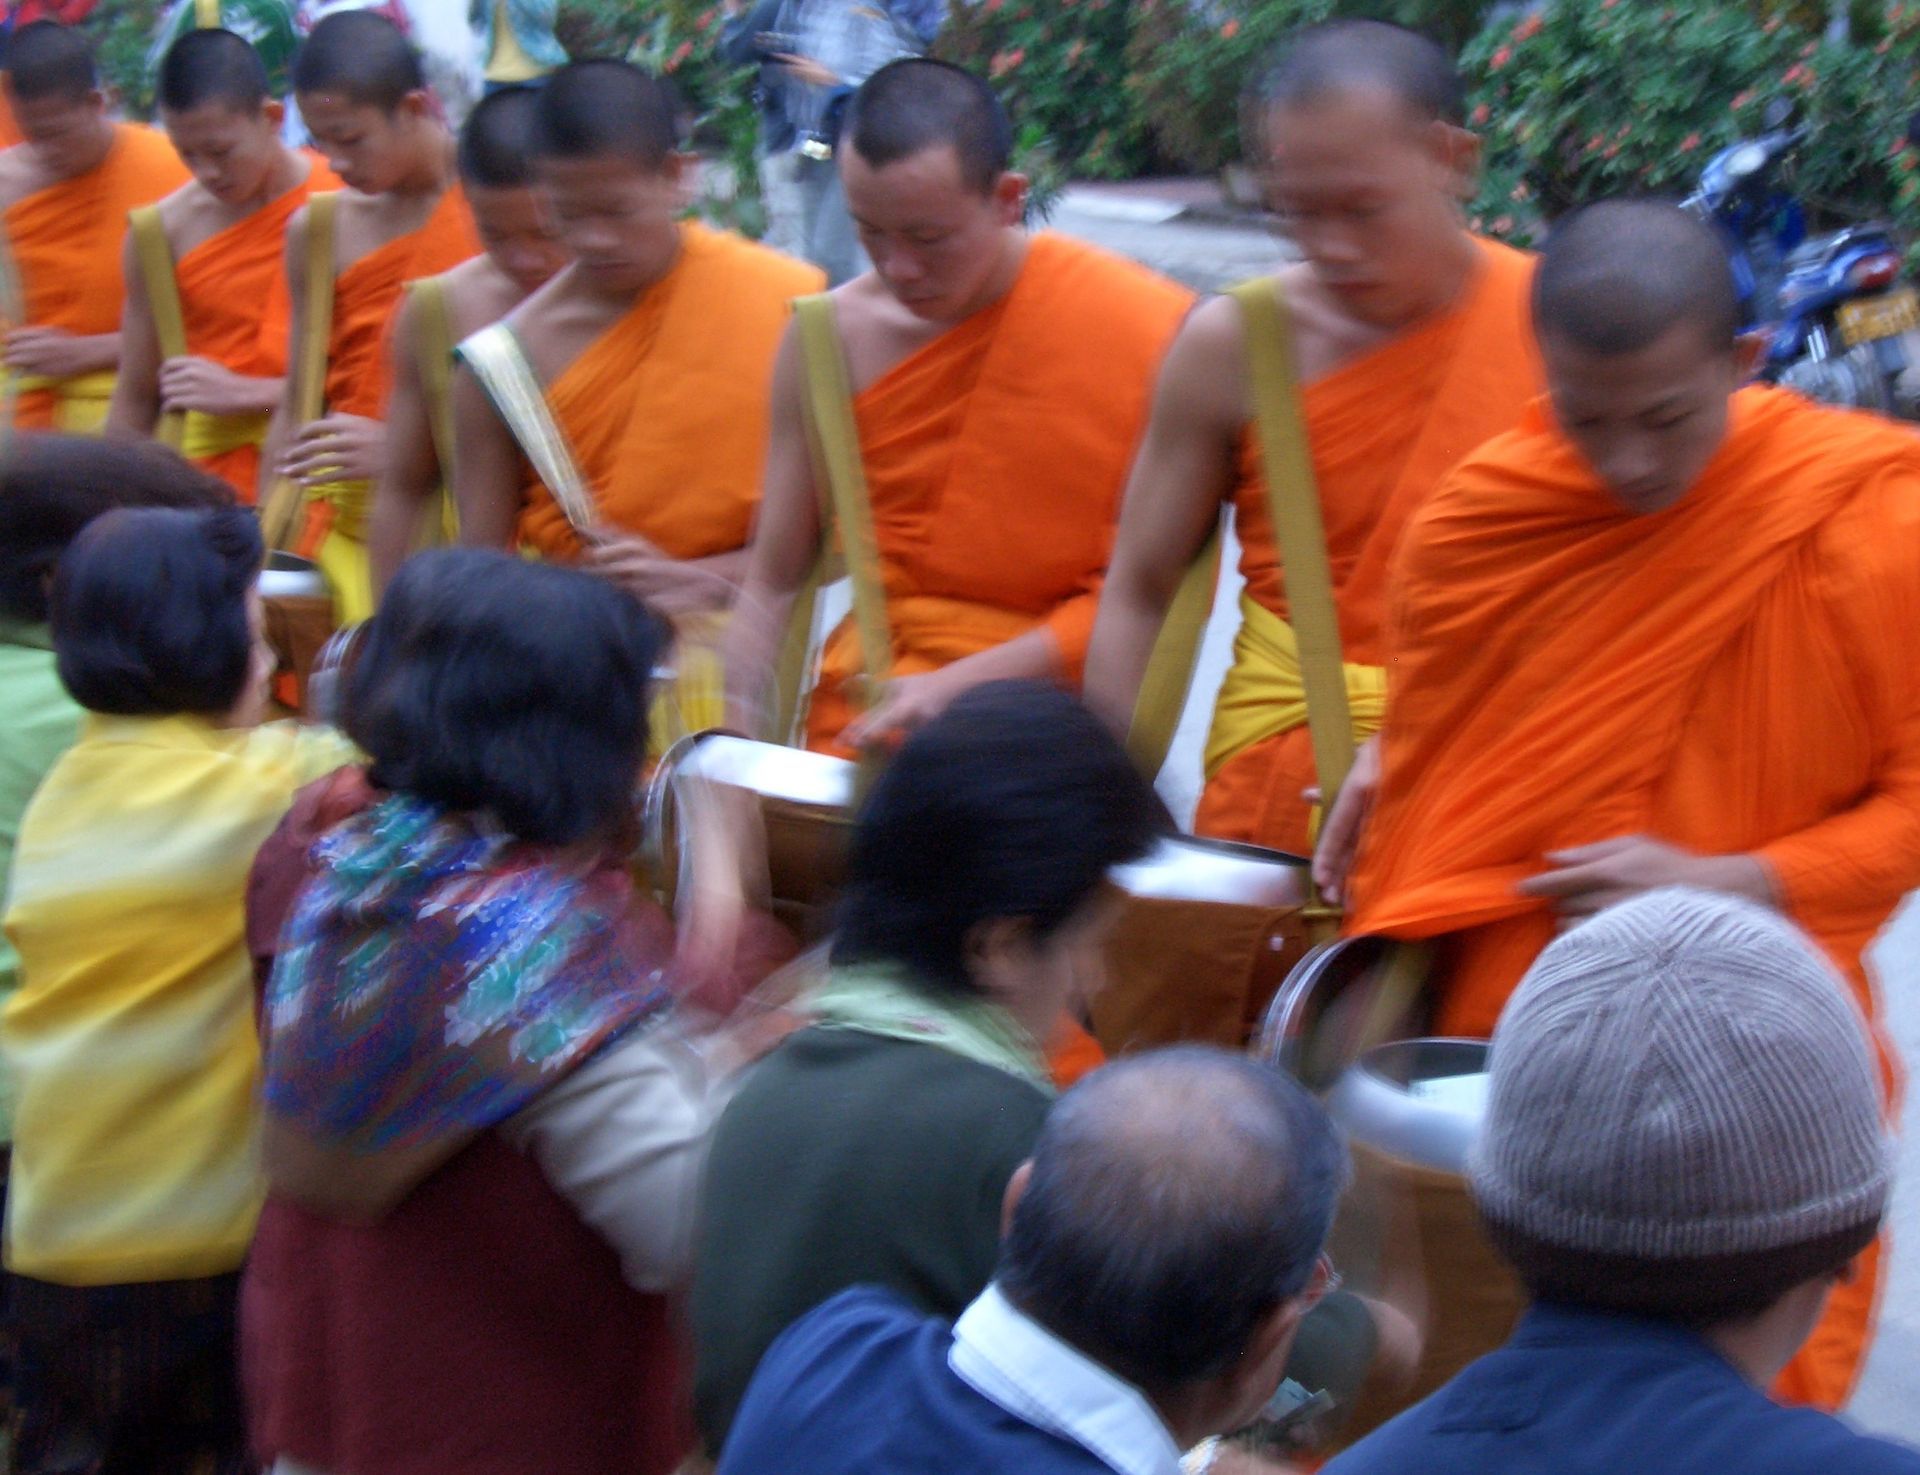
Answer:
(848, 1158)
(38, 722)
(880, 999)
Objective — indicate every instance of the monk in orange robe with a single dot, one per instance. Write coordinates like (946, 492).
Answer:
(1412, 346)
(1651, 638)
(225, 235)
(402, 217)
(1000, 382)
(64, 197)
(10, 133)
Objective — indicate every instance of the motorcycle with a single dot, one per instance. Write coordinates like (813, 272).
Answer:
(1840, 326)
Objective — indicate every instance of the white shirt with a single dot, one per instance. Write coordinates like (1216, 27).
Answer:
(1010, 1359)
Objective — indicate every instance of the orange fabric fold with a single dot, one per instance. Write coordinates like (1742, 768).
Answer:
(1384, 429)
(66, 242)
(667, 411)
(367, 293)
(1718, 675)
(236, 308)
(10, 133)
(995, 458)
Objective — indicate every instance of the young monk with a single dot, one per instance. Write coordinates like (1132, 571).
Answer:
(522, 251)
(364, 98)
(225, 235)
(1000, 383)
(64, 197)
(1412, 347)
(1652, 638)
(653, 350)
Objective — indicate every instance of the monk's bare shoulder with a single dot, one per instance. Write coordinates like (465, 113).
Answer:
(479, 294)
(21, 174)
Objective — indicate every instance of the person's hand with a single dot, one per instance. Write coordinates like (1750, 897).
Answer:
(1341, 828)
(208, 388)
(52, 353)
(336, 448)
(806, 69)
(668, 586)
(910, 702)
(1591, 878)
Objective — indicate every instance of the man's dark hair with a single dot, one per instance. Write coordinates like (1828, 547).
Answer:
(517, 689)
(46, 59)
(496, 141)
(51, 486)
(1618, 275)
(1344, 55)
(916, 103)
(1177, 1198)
(363, 56)
(150, 611)
(210, 65)
(595, 109)
(1013, 803)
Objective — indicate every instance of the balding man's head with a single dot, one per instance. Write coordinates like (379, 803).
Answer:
(1177, 1200)
(1635, 310)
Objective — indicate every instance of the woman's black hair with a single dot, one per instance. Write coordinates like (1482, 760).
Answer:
(1014, 803)
(150, 611)
(517, 689)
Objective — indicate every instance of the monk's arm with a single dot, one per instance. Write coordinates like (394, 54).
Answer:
(404, 495)
(136, 392)
(286, 416)
(1183, 470)
(786, 538)
(486, 479)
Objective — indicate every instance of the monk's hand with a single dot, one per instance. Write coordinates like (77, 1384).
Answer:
(806, 69)
(910, 702)
(1343, 825)
(668, 586)
(208, 388)
(52, 353)
(336, 448)
(1591, 878)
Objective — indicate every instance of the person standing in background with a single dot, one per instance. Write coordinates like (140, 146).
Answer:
(517, 41)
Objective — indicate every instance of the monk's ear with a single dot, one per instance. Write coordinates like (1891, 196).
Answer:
(274, 112)
(415, 105)
(1748, 350)
(1457, 153)
(1010, 198)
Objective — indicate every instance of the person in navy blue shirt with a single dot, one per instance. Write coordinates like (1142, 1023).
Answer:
(1683, 1152)
(1161, 1248)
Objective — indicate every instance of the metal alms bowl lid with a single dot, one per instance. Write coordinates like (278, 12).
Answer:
(1186, 868)
(1418, 1100)
(289, 576)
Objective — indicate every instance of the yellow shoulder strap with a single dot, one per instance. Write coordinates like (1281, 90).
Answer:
(836, 439)
(500, 364)
(310, 373)
(206, 14)
(1176, 650)
(163, 300)
(433, 350)
(1293, 502)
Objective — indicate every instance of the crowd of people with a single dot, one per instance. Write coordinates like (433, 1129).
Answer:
(371, 1112)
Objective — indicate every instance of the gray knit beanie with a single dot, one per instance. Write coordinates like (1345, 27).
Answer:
(1682, 1079)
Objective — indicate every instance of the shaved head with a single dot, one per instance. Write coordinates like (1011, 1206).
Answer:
(607, 109)
(211, 65)
(916, 104)
(46, 59)
(496, 141)
(1618, 275)
(363, 57)
(1366, 55)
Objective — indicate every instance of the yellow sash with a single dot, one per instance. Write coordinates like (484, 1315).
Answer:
(203, 435)
(1265, 694)
(82, 401)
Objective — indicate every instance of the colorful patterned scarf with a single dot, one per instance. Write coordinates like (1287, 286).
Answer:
(437, 975)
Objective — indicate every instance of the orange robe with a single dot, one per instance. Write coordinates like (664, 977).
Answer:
(666, 412)
(66, 246)
(1726, 675)
(234, 303)
(10, 133)
(1384, 429)
(366, 295)
(995, 457)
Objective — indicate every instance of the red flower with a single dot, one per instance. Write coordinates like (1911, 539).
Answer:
(1798, 75)
(1500, 58)
(1005, 61)
(680, 54)
(1771, 25)
(1612, 151)
(1741, 100)
(1689, 143)
(1528, 28)
(1230, 29)
(1502, 224)
(1480, 115)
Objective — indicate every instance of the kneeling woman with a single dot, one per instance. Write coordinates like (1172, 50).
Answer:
(482, 1130)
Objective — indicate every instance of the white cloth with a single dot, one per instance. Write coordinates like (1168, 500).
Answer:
(1008, 1358)
(623, 1139)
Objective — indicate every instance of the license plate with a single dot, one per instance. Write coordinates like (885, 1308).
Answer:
(1886, 316)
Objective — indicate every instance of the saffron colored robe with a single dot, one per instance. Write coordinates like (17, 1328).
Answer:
(1728, 675)
(366, 295)
(236, 310)
(666, 412)
(995, 457)
(1383, 430)
(66, 246)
